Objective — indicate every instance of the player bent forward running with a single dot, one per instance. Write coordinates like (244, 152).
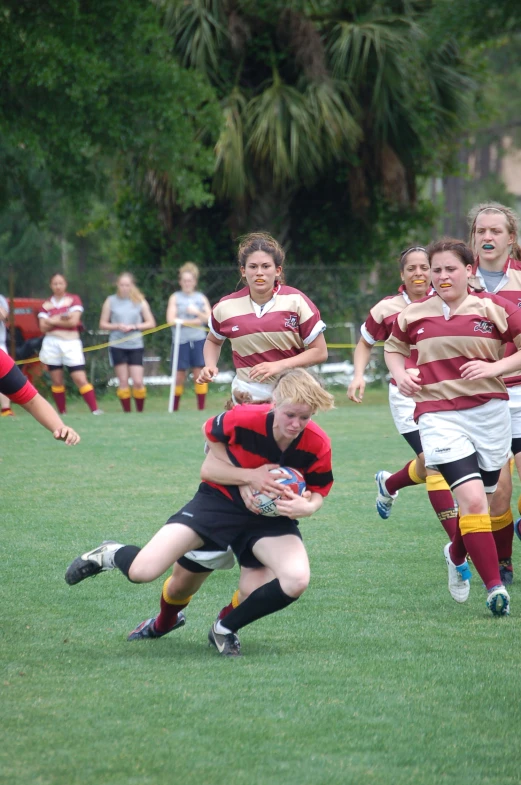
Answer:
(256, 437)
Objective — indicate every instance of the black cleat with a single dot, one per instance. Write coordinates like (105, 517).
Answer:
(506, 571)
(92, 562)
(226, 644)
(147, 630)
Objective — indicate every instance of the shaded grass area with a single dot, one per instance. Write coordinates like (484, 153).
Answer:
(374, 676)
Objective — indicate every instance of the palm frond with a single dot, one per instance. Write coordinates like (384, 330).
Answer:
(282, 134)
(199, 30)
(231, 180)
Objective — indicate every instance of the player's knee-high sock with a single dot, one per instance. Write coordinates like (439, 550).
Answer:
(229, 608)
(139, 398)
(169, 609)
(200, 391)
(6, 412)
(404, 478)
(89, 396)
(124, 557)
(123, 394)
(262, 602)
(58, 393)
(442, 503)
(503, 533)
(480, 545)
(177, 396)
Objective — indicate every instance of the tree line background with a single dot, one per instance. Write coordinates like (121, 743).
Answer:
(139, 135)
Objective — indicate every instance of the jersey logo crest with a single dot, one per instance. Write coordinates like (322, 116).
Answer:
(483, 326)
(292, 322)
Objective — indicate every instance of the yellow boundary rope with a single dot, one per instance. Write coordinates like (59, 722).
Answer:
(163, 327)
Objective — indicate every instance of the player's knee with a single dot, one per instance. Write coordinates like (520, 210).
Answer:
(295, 582)
(142, 573)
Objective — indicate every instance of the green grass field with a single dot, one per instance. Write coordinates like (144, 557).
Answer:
(375, 676)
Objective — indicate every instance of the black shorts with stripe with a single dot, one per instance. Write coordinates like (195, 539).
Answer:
(220, 522)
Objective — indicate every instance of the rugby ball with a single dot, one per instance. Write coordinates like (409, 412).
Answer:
(291, 478)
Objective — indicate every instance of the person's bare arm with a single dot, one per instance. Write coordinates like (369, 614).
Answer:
(361, 358)
(149, 321)
(212, 352)
(104, 320)
(43, 413)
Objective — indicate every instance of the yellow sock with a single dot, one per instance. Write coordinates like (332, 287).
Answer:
(473, 524)
(499, 522)
(413, 474)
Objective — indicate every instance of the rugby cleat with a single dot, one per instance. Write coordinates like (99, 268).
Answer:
(506, 571)
(93, 562)
(459, 577)
(384, 500)
(147, 630)
(498, 601)
(226, 644)
(516, 527)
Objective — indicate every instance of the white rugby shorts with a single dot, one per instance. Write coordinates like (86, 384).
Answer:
(257, 390)
(60, 351)
(213, 560)
(450, 436)
(402, 410)
(514, 405)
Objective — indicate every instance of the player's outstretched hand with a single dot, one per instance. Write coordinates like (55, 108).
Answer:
(208, 374)
(358, 383)
(66, 435)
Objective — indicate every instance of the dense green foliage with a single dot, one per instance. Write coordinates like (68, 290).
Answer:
(145, 134)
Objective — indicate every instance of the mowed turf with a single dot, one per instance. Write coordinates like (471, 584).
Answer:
(375, 676)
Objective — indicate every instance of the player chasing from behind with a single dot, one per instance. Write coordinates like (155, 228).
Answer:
(415, 273)
(257, 438)
(461, 403)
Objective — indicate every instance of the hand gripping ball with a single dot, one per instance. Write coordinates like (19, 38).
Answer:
(291, 478)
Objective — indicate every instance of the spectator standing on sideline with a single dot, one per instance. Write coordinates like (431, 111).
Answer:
(127, 313)
(193, 308)
(60, 322)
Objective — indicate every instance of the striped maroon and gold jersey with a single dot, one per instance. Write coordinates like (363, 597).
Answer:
(379, 324)
(508, 287)
(13, 383)
(281, 328)
(479, 329)
(67, 304)
(247, 432)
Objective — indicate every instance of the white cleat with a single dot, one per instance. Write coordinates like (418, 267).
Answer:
(459, 577)
(93, 562)
(384, 499)
(498, 601)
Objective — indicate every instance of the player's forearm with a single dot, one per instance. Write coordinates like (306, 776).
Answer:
(395, 363)
(43, 413)
(216, 470)
(211, 352)
(361, 357)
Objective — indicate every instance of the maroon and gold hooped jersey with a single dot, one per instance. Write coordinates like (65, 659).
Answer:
(479, 330)
(508, 287)
(281, 328)
(67, 304)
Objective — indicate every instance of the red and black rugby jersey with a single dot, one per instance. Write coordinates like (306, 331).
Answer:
(13, 383)
(247, 432)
